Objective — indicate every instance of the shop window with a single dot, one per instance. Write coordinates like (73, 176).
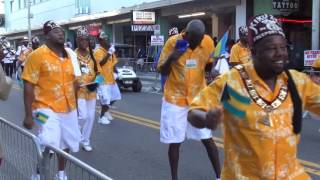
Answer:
(82, 7)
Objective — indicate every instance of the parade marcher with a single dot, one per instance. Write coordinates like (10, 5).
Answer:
(22, 52)
(260, 105)
(86, 94)
(240, 52)
(5, 82)
(35, 43)
(50, 95)
(184, 59)
(109, 91)
(9, 62)
(172, 31)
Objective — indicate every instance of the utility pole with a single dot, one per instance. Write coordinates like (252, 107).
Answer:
(29, 21)
(315, 24)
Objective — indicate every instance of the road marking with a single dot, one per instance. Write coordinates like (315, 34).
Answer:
(308, 166)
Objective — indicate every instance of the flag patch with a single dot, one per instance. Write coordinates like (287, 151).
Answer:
(234, 102)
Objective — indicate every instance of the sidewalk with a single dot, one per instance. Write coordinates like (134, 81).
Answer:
(148, 76)
(150, 81)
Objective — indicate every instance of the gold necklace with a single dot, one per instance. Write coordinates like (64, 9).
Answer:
(268, 107)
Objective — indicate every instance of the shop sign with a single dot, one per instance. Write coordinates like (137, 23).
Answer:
(143, 17)
(286, 5)
(310, 56)
(94, 30)
(157, 40)
(143, 28)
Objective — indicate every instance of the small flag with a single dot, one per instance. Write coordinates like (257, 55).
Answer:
(234, 102)
(41, 118)
(221, 47)
(99, 79)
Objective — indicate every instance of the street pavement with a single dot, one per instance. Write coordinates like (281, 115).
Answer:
(129, 148)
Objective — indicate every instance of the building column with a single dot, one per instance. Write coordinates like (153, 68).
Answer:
(108, 29)
(241, 16)
(215, 25)
(164, 26)
(315, 24)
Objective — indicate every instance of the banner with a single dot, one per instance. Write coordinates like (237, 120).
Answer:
(310, 56)
(143, 17)
(157, 40)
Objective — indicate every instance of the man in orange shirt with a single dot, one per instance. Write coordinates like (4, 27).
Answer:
(49, 95)
(240, 52)
(184, 59)
(262, 109)
(108, 92)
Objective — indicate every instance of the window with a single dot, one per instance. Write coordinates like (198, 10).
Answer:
(82, 6)
(19, 4)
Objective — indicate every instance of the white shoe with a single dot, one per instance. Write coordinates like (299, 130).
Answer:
(104, 120)
(64, 177)
(86, 146)
(108, 115)
(35, 177)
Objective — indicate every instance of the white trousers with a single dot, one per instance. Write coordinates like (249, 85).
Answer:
(87, 112)
(108, 93)
(61, 130)
(174, 127)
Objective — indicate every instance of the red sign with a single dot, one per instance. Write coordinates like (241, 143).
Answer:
(94, 30)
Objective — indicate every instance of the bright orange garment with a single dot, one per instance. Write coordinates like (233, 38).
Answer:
(185, 81)
(240, 54)
(53, 78)
(253, 150)
(106, 69)
(87, 75)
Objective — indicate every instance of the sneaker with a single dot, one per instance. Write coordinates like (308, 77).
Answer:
(104, 120)
(35, 177)
(86, 146)
(64, 177)
(108, 115)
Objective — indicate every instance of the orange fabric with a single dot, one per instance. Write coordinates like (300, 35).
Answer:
(240, 54)
(184, 83)
(316, 64)
(53, 78)
(87, 75)
(106, 69)
(253, 150)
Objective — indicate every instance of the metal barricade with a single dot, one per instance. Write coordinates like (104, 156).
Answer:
(20, 152)
(74, 168)
(22, 157)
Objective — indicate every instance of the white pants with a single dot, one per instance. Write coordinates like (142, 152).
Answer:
(61, 130)
(108, 93)
(174, 127)
(87, 112)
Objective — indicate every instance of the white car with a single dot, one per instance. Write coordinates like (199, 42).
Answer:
(126, 78)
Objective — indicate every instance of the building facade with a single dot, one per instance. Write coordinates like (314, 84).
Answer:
(116, 19)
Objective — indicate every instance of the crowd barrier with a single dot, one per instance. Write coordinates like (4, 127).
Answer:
(22, 157)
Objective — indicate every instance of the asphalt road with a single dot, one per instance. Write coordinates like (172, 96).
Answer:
(129, 148)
